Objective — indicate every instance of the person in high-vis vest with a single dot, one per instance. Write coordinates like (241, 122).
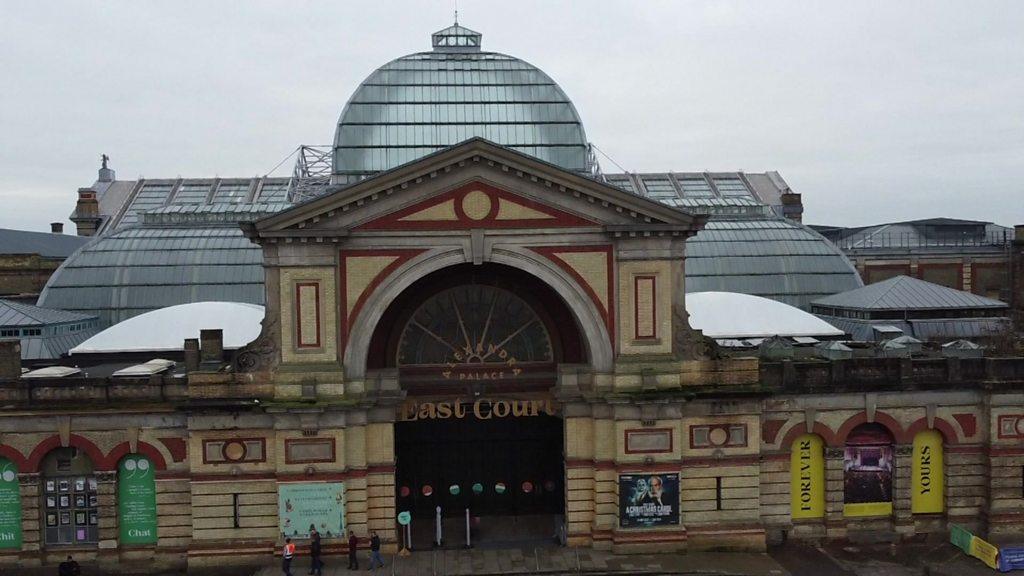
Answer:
(286, 556)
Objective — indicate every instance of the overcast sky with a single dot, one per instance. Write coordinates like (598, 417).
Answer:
(873, 111)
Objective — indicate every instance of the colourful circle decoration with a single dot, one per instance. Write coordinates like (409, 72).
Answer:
(478, 488)
(427, 490)
(499, 487)
(527, 487)
(550, 486)
(404, 491)
(454, 489)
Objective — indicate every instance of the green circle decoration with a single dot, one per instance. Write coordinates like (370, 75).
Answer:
(499, 487)
(454, 489)
(478, 488)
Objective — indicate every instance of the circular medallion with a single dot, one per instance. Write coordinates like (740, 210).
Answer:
(718, 436)
(9, 475)
(527, 487)
(404, 491)
(234, 451)
(427, 490)
(476, 205)
(499, 487)
(454, 489)
(478, 488)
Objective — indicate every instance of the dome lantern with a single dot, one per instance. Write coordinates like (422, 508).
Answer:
(456, 38)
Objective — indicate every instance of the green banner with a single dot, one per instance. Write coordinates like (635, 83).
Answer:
(136, 500)
(321, 504)
(10, 506)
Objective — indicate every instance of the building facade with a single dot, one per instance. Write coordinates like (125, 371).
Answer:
(483, 330)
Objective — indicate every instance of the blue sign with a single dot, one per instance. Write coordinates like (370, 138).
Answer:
(1011, 558)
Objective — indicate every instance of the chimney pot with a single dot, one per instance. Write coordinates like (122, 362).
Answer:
(211, 347)
(10, 359)
(191, 354)
(57, 227)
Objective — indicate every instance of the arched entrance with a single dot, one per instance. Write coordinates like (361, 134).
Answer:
(69, 507)
(477, 350)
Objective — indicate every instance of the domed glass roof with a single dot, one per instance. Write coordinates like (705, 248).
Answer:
(427, 101)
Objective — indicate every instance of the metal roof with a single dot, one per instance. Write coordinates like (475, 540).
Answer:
(423, 102)
(138, 269)
(925, 329)
(930, 233)
(906, 293)
(17, 314)
(46, 244)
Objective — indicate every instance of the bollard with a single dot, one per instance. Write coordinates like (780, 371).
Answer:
(468, 542)
(438, 540)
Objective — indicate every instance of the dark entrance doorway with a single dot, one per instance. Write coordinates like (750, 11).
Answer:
(507, 471)
(477, 349)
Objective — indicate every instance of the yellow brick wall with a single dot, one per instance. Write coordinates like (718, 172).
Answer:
(628, 271)
(328, 350)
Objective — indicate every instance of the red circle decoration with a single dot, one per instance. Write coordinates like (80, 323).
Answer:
(404, 491)
(527, 487)
(427, 490)
(550, 486)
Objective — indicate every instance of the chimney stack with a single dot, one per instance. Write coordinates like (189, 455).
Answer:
(211, 348)
(1017, 277)
(87, 212)
(191, 354)
(57, 227)
(10, 359)
(792, 206)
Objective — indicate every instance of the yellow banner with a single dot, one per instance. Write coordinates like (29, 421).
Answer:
(927, 483)
(985, 552)
(807, 477)
(868, 509)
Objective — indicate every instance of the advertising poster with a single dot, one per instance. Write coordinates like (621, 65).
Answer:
(10, 506)
(136, 501)
(647, 500)
(321, 504)
(807, 477)
(867, 478)
(926, 477)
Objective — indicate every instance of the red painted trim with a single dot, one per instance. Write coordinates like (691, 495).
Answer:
(1007, 451)
(654, 308)
(559, 218)
(347, 320)
(800, 428)
(1015, 418)
(608, 313)
(298, 313)
(770, 429)
(14, 456)
(292, 441)
(741, 460)
(968, 423)
(176, 447)
(880, 418)
(725, 427)
(945, 428)
(144, 448)
(99, 460)
(226, 441)
(648, 432)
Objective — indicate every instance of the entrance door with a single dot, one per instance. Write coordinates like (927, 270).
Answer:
(498, 467)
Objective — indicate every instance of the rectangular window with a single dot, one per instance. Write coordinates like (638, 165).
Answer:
(718, 492)
(235, 513)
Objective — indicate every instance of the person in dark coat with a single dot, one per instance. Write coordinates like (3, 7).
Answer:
(375, 559)
(316, 565)
(69, 568)
(353, 547)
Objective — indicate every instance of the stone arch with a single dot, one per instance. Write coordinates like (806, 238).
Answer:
(862, 418)
(93, 451)
(948, 432)
(597, 339)
(144, 448)
(800, 428)
(12, 454)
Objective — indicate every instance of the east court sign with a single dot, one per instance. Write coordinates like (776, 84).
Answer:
(478, 408)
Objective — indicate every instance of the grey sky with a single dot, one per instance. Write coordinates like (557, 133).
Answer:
(873, 111)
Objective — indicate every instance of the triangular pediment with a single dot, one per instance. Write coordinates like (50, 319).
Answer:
(476, 184)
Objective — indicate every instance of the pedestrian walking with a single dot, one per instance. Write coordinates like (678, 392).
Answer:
(375, 558)
(353, 549)
(69, 568)
(286, 557)
(316, 565)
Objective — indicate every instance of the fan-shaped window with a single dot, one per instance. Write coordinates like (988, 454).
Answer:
(474, 324)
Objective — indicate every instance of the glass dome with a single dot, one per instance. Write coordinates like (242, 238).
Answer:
(423, 102)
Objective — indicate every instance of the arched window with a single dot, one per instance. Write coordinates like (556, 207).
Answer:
(868, 471)
(136, 500)
(10, 506)
(927, 480)
(807, 477)
(70, 508)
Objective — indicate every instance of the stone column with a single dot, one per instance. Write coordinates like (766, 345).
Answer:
(835, 524)
(106, 495)
(903, 519)
(31, 524)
